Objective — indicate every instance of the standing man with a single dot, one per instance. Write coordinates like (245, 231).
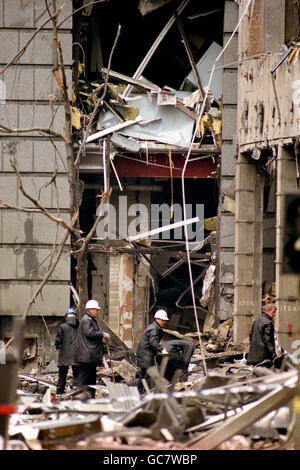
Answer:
(149, 346)
(89, 345)
(65, 342)
(262, 339)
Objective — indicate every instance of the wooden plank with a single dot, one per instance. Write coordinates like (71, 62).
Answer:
(242, 420)
(110, 130)
(125, 78)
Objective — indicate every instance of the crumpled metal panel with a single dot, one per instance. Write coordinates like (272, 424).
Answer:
(269, 425)
(121, 392)
(204, 67)
(174, 127)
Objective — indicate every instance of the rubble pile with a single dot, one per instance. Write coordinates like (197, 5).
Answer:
(223, 404)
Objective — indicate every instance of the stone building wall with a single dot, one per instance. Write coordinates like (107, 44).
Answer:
(30, 98)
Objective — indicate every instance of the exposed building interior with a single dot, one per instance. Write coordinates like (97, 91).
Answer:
(150, 148)
(169, 68)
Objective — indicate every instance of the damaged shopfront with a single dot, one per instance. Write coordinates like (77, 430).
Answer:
(148, 144)
(158, 133)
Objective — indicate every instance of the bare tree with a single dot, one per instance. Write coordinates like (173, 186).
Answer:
(79, 241)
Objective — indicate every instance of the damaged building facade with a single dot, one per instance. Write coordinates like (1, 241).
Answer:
(267, 165)
(241, 160)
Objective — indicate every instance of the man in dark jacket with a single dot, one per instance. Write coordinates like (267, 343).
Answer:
(262, 340)
(183, 351)
(89, 345)
(149, 346)
(65, 343)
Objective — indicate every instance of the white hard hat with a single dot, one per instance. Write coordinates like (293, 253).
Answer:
(92, 304)
(162, 314)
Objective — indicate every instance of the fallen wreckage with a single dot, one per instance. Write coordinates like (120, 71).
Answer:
(233, 406)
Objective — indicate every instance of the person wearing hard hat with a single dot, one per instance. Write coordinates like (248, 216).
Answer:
(65, 343)
(89, 345)
(149, 346)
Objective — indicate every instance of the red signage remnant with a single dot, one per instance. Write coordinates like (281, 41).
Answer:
(7, 409)
(290, 327)
(157, 166)
(248, 328)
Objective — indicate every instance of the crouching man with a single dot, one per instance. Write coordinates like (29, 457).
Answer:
(183, 351)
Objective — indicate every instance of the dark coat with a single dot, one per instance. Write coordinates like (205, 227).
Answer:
(65, 341)
(262, 341)
(149, 346)
(183, 349)
(89, 345)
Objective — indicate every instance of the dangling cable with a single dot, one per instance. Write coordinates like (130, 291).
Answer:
(172, 188)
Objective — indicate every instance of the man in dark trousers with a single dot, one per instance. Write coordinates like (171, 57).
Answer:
(65, 343)
(262, 339)
(89, 345)
(183, 351)
(149, 346)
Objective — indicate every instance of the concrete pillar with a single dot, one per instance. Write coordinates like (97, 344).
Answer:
(140, 301)
(287, 285)
(121, 288)
(258, 245)
(244, 246)
(225, 224)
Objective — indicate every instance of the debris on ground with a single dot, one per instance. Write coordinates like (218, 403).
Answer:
(234, 407)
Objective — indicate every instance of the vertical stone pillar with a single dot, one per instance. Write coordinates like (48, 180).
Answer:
(244, 246)
(225, 226)
(287, 285)
(258, 245)
(126, 298)
(121, 281)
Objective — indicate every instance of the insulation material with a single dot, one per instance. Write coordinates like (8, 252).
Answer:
(171, 127)
(208, 285)
(76, 115)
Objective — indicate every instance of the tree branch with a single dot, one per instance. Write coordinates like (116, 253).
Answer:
(38, 206)
(18, 208)
(21, 51)
(48, 132)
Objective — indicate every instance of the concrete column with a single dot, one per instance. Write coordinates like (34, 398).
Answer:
(225, 225)
(244, 246)
(287, 285)
(121, 288)
(140, 301)
(258, 245)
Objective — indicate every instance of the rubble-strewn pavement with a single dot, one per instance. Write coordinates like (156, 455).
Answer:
(232, 406)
